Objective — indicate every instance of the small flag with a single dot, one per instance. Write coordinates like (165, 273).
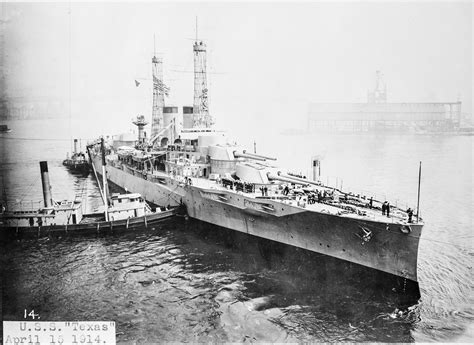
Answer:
(137, 83)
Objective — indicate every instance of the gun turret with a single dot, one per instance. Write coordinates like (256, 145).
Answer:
(260, 156)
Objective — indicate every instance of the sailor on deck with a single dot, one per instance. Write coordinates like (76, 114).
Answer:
(410, 214)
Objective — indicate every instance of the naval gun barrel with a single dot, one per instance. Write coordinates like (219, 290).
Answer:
(303, 180)
(259, 156)
(291, 179)
(246, 155)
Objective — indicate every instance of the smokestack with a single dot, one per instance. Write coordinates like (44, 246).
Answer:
(316, 169)
(48, 199)
(102, 150)
(75, 145)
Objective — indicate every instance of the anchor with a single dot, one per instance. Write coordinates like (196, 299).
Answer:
(365, 236)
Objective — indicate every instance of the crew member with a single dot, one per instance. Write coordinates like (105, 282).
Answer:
(388, 209)
(410, 214)
(384, 208)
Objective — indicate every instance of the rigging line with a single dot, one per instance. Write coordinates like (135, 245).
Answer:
(443, 242)
(82, 190)
(28, 190)
(167, 197)
(85, 197)
(466, 236)
(41, 139)
(197, 72)
(70, 74)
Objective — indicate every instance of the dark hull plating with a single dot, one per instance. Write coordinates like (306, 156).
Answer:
(88, 226)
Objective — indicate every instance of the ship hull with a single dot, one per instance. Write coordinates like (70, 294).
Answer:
(77, 167)
(88, 225)
(378, 245)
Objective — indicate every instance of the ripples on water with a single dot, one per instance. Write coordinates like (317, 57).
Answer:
(185, 283)
(179, 285)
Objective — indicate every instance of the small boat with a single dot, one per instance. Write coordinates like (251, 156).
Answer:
(78, 162)
(125, 212)
(4, 129)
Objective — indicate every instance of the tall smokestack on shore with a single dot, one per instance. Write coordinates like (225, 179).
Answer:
(47, 196)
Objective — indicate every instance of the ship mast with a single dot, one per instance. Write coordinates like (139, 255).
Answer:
(201, 116)
(159, 91)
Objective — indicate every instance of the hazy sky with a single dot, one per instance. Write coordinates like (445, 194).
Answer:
(268, 60)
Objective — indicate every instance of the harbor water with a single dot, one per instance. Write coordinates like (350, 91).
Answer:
(184, 282)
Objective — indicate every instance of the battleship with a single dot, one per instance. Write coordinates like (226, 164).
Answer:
(221, 183)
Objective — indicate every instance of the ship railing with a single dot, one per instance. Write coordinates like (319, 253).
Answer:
(364, 195)
(353, 204)
(181, 148)
(274, 197)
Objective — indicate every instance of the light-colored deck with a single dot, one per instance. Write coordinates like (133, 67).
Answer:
(335, 208)
(397, 215)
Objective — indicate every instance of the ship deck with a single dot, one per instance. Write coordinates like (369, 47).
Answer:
(338, 208)
(355, 207)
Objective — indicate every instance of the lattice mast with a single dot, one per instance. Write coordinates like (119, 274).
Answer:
(158, 95)
(201, 117)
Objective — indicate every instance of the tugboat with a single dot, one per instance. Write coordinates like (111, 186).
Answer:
(123, 212)
(222, 184)
(5, 129)
(78, 162)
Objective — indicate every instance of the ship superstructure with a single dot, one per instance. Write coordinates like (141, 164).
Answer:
(201, 116)
(221, 183)
(159, 90)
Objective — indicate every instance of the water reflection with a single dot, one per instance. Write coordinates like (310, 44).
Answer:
(189, 282)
